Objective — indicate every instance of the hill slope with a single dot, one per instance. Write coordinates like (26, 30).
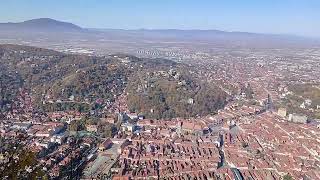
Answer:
(41, 24)
(61, 81)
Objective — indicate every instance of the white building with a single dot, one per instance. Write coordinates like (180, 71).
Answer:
(298, 118)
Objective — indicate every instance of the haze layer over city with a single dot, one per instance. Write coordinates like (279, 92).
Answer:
(168, 89)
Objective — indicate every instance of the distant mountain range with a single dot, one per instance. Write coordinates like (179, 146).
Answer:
(42, 24)
(51, 25)
(50, 32)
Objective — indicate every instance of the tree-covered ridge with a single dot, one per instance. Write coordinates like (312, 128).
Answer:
(158, 88)
(172, 93)
(53, 75)
(100, 81)
(10, 82)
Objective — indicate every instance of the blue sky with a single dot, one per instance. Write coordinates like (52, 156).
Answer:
(300, 17)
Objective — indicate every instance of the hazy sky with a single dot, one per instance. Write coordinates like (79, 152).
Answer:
(301, 17)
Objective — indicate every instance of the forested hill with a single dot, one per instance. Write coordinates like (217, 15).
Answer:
(165, 94)
(59, 81)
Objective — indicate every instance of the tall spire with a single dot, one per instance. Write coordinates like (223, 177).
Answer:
(269, 103)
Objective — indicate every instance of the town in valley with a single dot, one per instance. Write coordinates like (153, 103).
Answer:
(81, 103)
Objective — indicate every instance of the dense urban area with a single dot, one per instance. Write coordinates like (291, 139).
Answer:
(123, 117)
(126, 105)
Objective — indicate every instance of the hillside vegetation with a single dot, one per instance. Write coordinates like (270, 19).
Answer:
(157, 88)
(169, 94)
